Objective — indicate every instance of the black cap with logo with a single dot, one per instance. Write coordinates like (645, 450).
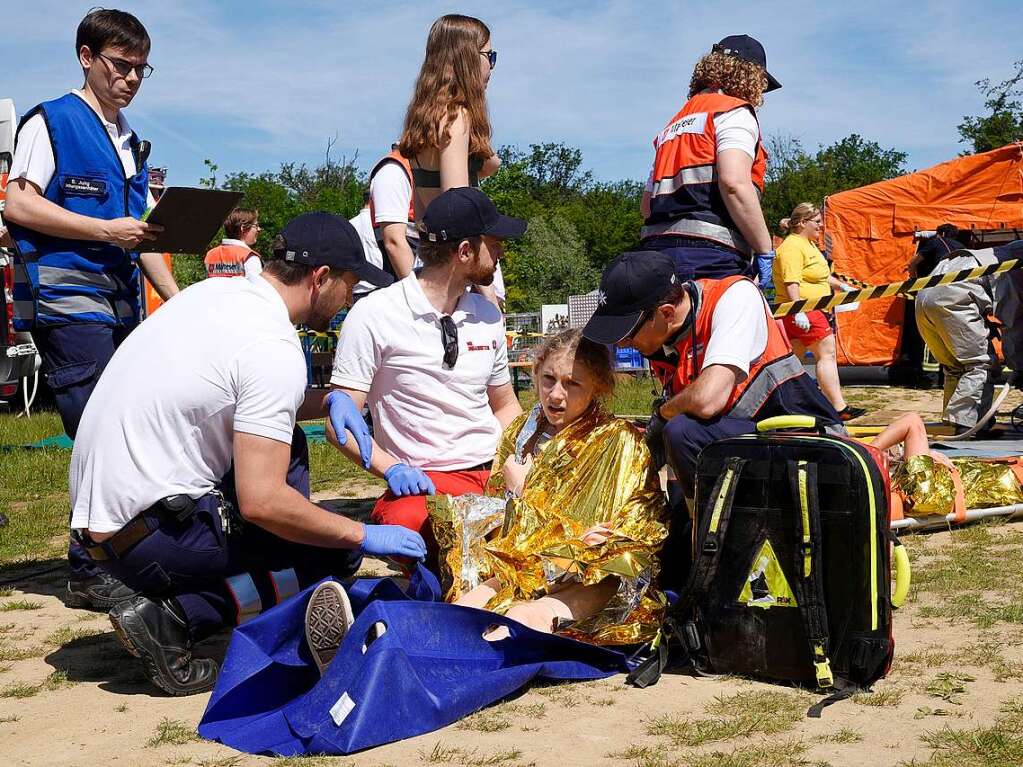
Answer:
(748, 49)
(466, 212)
(630, 285)
(323, 239)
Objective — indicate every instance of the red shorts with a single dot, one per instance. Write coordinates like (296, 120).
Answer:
(820, 327)
(410, 510)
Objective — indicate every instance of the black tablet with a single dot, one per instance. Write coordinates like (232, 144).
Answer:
(190, 219)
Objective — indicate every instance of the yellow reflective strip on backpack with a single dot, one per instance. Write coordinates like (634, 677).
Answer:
(719, 502)
(804, 507)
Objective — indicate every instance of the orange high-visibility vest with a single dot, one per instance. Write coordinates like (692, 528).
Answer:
(406, 165)
(776, 365)
(227, 261)
(685, 200)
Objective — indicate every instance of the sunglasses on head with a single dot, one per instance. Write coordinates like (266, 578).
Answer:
(491, 57)
(449, 337)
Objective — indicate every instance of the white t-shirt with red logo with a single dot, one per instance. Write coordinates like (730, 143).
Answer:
(425, 414)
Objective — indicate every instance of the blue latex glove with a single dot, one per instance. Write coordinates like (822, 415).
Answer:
(345, 415)
(765, 269)
(392, 541)
(403, 479)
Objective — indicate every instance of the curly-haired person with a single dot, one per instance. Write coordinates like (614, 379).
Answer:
(702, 200)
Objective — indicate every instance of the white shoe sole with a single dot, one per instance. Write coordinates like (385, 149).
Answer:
(328, 616)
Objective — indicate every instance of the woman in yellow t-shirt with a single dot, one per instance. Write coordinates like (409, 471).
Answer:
(801, 271)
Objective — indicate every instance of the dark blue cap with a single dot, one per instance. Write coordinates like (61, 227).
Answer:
(323, 239)
(465, 212)
(748, 49)
(631, 284)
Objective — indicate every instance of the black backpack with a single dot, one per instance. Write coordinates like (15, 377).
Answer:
(791, 579)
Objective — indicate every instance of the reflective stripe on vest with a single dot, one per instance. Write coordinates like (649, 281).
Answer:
(285, 583)
(246, 597)
(776, 365)
(65, 281)
(685, 199)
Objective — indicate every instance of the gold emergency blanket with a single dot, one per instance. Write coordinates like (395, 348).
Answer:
(460, 524)
(595, 471)
(928, 486)
(988, 484)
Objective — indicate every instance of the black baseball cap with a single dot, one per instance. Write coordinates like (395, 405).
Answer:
(748, 49)
(466, 212)
(323, 239)
(630, 285)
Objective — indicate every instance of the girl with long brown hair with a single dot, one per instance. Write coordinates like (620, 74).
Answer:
(446, 136)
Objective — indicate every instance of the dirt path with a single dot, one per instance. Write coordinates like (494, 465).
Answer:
(69, 695)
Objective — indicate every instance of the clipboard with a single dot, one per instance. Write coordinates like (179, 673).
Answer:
(190, 218)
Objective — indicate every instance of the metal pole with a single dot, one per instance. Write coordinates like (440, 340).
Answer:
(920, 523)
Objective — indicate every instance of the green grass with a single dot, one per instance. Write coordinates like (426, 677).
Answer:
(780, 754)
(744, 714)
(996, 746)
(55, 681)
(19, 604)
(442, 754)
(33, 490)
(949, 686)
(886, 698)
(973, 576)
(172, 732)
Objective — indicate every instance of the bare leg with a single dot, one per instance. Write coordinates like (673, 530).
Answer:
(574, 602)
(827, 371)
(909, 429)
(480, 595)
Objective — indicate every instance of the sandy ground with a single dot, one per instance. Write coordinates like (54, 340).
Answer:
(104, 711)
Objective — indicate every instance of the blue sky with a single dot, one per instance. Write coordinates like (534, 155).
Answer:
(252, 83)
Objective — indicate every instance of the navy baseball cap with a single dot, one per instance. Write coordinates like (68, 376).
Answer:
(465, 212)
(748, 49)
(632, 284)
(323, 239)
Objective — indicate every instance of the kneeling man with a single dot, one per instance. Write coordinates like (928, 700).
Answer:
(189, 479)
(723, 361)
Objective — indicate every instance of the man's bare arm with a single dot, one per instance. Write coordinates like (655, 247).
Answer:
(735, 182)
(705, 397)
(156, 271)
(265, 499)
(504, 403)
(27, 206)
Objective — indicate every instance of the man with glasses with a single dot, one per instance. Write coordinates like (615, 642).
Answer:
(723, 361)
(79, 185)
(431, 360)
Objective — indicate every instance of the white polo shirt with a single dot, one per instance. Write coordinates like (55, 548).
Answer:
(423, 413)
(363, 224)
(222, 357)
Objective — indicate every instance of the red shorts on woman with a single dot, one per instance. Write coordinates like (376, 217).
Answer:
(820, 327)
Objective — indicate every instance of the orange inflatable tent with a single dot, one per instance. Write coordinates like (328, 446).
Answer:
(870, 235)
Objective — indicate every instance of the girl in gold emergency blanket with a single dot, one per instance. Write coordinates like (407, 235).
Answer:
(579, 514)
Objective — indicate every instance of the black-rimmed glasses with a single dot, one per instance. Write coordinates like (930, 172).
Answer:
(124, 67)
(491, 57)
(449, 337)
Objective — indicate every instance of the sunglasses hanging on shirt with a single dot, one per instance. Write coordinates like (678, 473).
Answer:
(449, 337)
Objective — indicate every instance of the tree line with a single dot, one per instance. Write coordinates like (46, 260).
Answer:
(576, 223)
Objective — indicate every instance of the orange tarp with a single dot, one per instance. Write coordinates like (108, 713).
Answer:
(869, 232)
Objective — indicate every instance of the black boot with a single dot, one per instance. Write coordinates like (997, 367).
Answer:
(100, 592)
(157, 632)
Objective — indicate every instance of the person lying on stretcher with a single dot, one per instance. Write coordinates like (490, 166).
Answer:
(927, 482)
(577, 552)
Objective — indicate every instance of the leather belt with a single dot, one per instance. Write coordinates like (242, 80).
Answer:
(173, 507)
(485, 466)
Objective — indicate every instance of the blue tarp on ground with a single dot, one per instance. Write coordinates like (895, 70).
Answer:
(429, 667)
